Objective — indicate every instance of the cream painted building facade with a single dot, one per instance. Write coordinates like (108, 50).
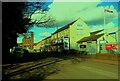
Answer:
(78, 33)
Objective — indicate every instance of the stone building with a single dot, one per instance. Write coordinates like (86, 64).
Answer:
(28, 41)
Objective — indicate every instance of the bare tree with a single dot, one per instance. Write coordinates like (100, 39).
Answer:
(17, 19)
(36, 9)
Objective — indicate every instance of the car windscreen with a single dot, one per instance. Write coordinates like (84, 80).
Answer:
(17, 48)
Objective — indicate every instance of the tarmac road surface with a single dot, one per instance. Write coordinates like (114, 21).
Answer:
(89, 69)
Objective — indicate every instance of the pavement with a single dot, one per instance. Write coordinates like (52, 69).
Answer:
(112, 62)
(88, 69)
(75, 68)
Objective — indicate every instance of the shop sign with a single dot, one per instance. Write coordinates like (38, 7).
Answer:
(111, 46)
(108, 46)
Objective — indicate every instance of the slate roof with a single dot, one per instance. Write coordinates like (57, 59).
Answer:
(65, 27)
(90, 38)
(95, 32)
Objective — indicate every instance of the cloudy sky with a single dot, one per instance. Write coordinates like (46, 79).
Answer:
(90, 12)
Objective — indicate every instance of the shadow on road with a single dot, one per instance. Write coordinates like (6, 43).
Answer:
(28, 57)
(31, 57)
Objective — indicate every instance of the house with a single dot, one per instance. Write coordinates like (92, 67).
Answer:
(71, 32)
(77, 33)
(96, 42)
(28, 41)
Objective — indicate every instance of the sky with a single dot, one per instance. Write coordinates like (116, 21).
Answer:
(65, 12)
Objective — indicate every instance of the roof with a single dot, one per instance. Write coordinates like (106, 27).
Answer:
(95, 32)
(44, 39)
(47, 37)
(112, 33)
(90, 38)
(65, 27)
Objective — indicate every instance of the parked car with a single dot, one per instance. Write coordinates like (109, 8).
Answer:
(17, 51)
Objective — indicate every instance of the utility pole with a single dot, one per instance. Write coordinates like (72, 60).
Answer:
(104, 25)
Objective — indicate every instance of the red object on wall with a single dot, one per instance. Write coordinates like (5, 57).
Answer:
(109, 46)
(115, 46)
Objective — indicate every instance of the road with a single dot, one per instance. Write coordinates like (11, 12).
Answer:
(72, 68)
(89, 69)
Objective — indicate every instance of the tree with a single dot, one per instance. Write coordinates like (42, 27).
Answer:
(13, 23)
(17, 18)
(38, 9)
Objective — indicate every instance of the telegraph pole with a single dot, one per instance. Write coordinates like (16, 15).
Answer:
(104, 24)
